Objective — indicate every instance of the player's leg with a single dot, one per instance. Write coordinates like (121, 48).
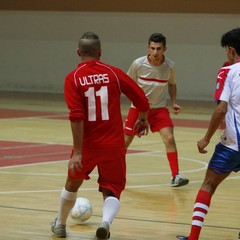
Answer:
(129, 124)
(202, 203)
(69, 192)
(111, 206)
(203, 200)
(111, 184)
(219, 168)
(172, 156)
(171, 149)
(161, 122)
(168, 139)
(67, 200)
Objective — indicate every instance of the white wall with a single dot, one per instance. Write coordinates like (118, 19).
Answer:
(37, 49)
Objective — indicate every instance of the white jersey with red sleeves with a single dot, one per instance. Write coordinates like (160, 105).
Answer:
(228, 90)
(153, 80)
(93, 92)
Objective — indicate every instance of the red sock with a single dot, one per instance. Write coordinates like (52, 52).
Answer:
(173, 162)
(201, 206)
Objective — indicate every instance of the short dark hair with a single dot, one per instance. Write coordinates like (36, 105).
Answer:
(89, 44)
(158, 38)
(232, 39)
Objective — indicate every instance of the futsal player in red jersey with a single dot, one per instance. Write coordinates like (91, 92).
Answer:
(93, 93)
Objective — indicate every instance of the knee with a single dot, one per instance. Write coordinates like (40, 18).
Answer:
(209, 186)
(72, 185)
(107, 193)
(169, 139)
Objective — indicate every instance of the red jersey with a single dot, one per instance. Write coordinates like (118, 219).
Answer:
(93, 93)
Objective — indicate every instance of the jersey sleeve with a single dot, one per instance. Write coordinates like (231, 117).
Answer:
(221, 83)
(132, 71)
(131, 89)
(73, 100)
(172, 78)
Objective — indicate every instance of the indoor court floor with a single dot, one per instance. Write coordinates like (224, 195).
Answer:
(35, 143)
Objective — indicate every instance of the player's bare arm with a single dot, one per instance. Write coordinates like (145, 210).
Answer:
(172, 89)
(75, 163)
(217, 117)
(141, 126)
(77, 133)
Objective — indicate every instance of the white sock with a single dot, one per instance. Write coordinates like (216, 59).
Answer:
(111, 207)
(67, 202)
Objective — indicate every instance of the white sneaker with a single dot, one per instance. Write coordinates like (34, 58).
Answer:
(179, 181)
(60, 230)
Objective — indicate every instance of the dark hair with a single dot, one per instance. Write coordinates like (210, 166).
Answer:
(232, 39)
(89, 44)
(158, 38)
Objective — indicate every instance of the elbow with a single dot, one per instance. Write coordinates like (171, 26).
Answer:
(221, 111)
(222, 108)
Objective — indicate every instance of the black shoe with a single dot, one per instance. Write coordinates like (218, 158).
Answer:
(102, 232)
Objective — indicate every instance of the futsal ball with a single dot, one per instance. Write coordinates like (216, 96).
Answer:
(82, 210)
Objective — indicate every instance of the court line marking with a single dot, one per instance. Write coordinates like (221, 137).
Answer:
(123, 218)
(60, 116)
(31, 145)
(153, 153)
(159, 153)
(94, 189)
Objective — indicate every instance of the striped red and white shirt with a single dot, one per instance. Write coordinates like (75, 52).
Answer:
(153, 80)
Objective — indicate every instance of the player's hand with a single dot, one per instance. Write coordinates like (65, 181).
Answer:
(201, 145)
(176, 108)
(141, 127)
(75, 163)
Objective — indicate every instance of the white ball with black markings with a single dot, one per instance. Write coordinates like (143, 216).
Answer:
(82, 210)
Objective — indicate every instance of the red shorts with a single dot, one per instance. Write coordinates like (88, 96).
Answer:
(111, 166)
(157, 118)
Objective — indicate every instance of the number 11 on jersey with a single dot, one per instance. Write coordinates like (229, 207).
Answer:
(91, 94)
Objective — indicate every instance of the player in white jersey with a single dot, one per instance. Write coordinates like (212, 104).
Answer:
(155, 74)
(231, 135)
(226, 157)
(154, 80)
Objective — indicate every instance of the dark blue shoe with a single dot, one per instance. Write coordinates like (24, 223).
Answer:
(180, 237)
